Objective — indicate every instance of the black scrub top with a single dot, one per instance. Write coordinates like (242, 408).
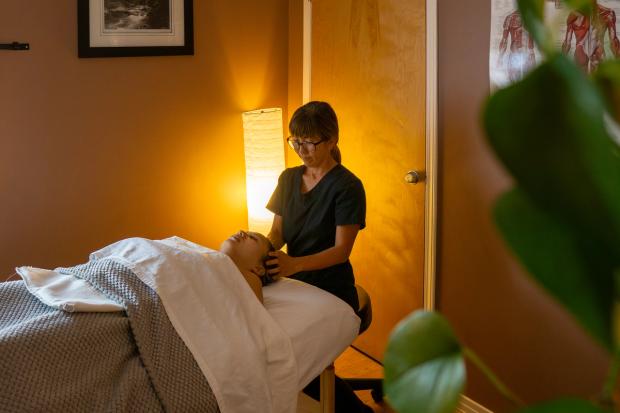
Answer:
(309, 223)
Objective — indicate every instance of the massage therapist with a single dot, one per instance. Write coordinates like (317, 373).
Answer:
(319, 207)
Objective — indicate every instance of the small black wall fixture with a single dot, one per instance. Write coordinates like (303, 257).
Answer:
(15, 46)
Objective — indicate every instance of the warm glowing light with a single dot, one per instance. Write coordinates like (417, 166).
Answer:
(264, 161)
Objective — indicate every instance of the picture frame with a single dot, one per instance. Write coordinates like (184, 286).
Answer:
(124, 28)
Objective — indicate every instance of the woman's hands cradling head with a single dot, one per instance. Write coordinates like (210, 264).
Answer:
(282, 264)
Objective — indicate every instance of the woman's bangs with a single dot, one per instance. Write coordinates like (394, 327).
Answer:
(304, 127)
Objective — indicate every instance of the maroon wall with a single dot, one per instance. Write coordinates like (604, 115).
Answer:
(525, 336)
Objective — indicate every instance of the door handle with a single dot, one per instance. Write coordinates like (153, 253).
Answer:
(413, 177)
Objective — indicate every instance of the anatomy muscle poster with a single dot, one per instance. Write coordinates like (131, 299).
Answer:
(588, 39)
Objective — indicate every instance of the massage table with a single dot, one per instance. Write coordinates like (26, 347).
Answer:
(318, 325)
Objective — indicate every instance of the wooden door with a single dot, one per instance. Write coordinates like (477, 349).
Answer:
(368, 61)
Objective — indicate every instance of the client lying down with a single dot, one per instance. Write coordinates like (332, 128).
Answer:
(192, 336)
(249, 251)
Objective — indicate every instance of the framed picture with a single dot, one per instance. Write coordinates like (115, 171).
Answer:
(120, 28)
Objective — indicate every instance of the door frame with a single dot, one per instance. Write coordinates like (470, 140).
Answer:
(430, 175)
(430, 210)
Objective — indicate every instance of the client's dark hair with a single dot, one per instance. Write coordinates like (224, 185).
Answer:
(267, 279)
(316, 119)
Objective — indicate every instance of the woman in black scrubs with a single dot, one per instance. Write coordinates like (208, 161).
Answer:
(319, 208)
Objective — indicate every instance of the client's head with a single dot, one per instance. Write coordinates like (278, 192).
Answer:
(248, 250)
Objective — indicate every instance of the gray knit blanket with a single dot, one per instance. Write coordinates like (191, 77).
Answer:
(132, 361)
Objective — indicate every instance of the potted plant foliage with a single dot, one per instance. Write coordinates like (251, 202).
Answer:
(556, 133)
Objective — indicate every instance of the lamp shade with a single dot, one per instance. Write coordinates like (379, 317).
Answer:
(264, 161)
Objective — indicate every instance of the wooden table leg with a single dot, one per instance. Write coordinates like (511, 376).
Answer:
(328, 397)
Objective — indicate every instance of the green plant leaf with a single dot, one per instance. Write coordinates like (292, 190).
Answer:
(607, 77)
(615, 318)
(533, 16)
(582, 6)
(548, 131)
(551, 251)
(564, 406)
(424, 367)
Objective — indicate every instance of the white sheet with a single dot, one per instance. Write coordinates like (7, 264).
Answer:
(320, 326)
(65, 292)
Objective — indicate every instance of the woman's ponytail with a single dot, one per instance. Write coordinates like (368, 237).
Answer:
(336, 154)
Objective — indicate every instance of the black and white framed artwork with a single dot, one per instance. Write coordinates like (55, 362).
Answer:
(117, 28)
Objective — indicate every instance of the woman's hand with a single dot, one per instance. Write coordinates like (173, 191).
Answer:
(285, 264)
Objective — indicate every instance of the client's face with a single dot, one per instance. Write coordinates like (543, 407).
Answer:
(246, 248)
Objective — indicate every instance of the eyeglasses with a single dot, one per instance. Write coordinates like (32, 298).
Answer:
(296, 144)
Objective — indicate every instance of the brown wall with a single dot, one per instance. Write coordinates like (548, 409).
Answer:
(95, 150)
(532, 344)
